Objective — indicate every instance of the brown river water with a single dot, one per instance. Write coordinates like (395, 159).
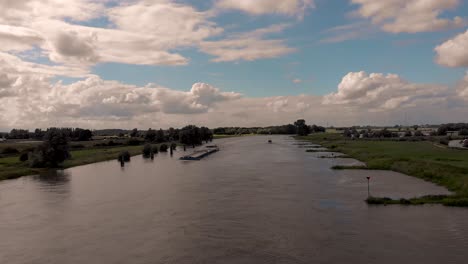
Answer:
(252, 202)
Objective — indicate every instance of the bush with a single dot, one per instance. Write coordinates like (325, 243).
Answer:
(124, 156)
(173, 146)
(36, 159)
(24, 157)
(52, 152)
(444, 141)
(134, 142)
(163, 148)
(10, 150)
(147, 151)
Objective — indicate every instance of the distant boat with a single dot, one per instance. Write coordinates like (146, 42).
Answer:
(269, 141)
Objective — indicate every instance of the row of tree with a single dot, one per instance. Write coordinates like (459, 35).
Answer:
(74, 134)
(299, 127)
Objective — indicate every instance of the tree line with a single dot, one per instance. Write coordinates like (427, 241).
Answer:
(74, 134)
(299, 127)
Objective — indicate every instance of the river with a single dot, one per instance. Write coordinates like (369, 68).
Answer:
(252, 202)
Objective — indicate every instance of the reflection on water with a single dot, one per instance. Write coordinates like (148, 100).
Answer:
(252, 202)
(53, 177)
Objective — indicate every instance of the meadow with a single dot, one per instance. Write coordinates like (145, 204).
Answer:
(423, 159)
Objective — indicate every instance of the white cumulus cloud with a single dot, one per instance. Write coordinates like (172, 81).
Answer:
(377, 91)
(454, 52)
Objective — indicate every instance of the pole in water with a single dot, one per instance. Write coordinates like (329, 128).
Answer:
(185, 147)
(368, 187)
(122, 163)
(172, 151)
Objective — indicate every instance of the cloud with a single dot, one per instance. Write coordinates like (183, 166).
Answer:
(171, 23)
(14, 65)
(18, 38)
(248, 46)
(26, 11)
(262, 7)
(346, 32)
(71, 46)
(463, 88)
(397, 16)
(297, 81)
(454, 52)
(139, 32)
(33, 100)
(377, 92)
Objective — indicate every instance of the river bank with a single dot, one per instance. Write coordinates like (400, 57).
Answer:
(443, 166)
(11, 167)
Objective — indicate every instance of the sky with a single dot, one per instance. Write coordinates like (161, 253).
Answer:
(162, 63)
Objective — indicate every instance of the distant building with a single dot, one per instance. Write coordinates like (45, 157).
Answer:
(2, 139)
(453, 133)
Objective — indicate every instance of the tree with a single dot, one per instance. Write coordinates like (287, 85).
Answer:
(160, 136)
(163, 148)
(83, 134)
(53, 151)
(134, 133)
(38, 134)
(147, 151)
(150, 135)
(190, 135)
(301, 128)
(206, 134)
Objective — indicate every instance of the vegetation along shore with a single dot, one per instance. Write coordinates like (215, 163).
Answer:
(423, 158)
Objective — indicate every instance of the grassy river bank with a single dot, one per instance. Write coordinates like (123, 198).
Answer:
(422, 159)
(11, 167)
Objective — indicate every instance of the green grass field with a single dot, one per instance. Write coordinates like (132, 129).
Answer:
(423, 159)
(11, 167)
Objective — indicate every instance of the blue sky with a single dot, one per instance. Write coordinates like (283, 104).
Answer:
(161, 63)
(320, 66)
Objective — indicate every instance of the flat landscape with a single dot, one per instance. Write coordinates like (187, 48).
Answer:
(423, 159)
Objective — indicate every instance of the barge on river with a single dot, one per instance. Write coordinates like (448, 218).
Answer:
(200, 154)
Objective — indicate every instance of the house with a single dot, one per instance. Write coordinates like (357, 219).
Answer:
(453, 133)
(2, 139)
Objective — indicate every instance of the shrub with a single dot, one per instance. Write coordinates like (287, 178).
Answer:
(163, 148)
(52, 152)
(36, 159)
(24, 157)
(444, 141)
(155, 149)
(147, 151)
(10, 150)
(124, 156)
(133, 142)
